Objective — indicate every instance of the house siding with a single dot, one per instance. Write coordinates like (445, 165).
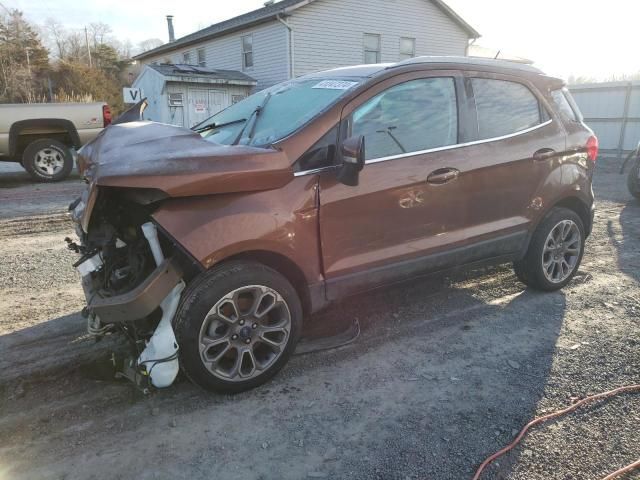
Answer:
(270, 53)
(326, 35)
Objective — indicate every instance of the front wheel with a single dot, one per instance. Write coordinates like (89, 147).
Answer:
(237, 326)
(554, 253)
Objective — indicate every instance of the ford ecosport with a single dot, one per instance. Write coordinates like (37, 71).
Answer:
(208, 247)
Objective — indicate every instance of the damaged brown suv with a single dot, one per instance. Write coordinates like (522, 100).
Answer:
(209, 247)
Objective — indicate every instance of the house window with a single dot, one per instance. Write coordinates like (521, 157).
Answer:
(186, 58)
(237, 98)
(247, 51)
(202, 62)
(371, 48)
(407, 48)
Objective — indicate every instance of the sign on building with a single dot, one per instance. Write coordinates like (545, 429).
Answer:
(132, 95)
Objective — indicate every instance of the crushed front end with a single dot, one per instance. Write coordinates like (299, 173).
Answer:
(132, 277)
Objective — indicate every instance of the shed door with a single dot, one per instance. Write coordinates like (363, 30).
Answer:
(198, 106)
(218, 100)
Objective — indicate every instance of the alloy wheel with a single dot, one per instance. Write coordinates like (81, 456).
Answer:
(561, 251)
(244, 333)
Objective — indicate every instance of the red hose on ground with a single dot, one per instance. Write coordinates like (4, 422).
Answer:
(544, 418)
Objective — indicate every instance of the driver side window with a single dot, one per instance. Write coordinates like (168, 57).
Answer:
(408, 117)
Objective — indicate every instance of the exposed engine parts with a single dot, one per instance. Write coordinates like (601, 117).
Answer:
(116, 263)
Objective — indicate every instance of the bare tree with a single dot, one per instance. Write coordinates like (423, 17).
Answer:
(57, 37)
(149, 44)
(125, 48)
(99, 33)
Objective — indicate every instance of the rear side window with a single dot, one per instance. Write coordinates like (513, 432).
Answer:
(563, 105)
(504, 107)
(408, 117)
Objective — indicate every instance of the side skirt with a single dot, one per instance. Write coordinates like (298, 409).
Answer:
(487, 252)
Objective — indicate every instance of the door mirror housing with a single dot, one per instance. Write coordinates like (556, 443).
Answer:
(352, 150)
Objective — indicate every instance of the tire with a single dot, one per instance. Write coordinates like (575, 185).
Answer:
(47, 160)
(633, 179)
(215, 327)
(531, 269)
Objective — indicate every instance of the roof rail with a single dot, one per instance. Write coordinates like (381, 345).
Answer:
(486, 62)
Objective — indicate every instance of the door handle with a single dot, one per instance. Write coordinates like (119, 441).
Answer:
(443, 175)
(544, 154)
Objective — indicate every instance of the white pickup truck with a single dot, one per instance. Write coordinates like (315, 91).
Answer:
(44, 136)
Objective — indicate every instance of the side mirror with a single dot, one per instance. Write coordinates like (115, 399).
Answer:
(352, 160)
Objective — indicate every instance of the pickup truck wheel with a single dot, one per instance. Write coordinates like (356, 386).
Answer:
(237, 326)
(554, 253)
(47, 160)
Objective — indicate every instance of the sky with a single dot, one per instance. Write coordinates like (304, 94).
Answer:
(563, 37)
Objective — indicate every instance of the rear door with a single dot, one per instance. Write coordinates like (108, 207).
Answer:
(517, 149)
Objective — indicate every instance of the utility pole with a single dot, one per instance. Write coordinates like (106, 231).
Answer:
(28, 61)
(86, 39)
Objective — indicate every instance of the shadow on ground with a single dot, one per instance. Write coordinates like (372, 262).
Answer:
(441, 374)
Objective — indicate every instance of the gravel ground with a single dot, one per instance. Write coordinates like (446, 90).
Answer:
(445, 372)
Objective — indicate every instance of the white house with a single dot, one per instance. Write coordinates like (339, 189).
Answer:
(293, 37)
(186, 95)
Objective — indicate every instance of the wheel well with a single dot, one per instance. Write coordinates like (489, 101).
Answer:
(23, 132)
(285, 267)
(578, 206)
(23, 140)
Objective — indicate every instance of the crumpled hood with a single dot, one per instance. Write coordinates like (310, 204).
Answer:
(178, 162)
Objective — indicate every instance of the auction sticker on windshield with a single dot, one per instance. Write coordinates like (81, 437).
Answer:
(335, 84)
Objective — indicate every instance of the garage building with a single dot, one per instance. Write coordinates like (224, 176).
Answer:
(186, 95)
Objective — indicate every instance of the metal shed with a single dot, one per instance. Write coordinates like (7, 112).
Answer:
(185, 95)
(612, 110)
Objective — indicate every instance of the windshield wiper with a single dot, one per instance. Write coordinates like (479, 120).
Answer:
(256, 113)
(393, 137)
(211, 126)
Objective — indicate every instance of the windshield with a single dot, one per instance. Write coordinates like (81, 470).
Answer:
(288, 105)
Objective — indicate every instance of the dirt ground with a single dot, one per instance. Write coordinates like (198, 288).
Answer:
(445, 372)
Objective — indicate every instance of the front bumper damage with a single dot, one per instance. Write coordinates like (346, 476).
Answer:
(157, 364)
(139, 302)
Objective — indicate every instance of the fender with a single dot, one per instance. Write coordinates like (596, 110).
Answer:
(214, 228)
(58, 123)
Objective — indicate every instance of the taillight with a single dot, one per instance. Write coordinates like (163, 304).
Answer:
(592, 148)
(106, 115)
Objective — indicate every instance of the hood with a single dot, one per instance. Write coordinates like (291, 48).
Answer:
(178, 161)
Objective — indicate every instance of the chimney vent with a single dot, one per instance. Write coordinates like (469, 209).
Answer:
(172, 37)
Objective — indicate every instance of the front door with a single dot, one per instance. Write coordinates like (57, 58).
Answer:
(408, 197)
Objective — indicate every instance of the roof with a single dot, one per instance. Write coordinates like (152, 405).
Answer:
(184, 73)
(359, 71)
(266, 13)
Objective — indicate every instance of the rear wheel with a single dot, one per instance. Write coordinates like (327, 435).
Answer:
(47, 160)
(237, 326)
(554, 253)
